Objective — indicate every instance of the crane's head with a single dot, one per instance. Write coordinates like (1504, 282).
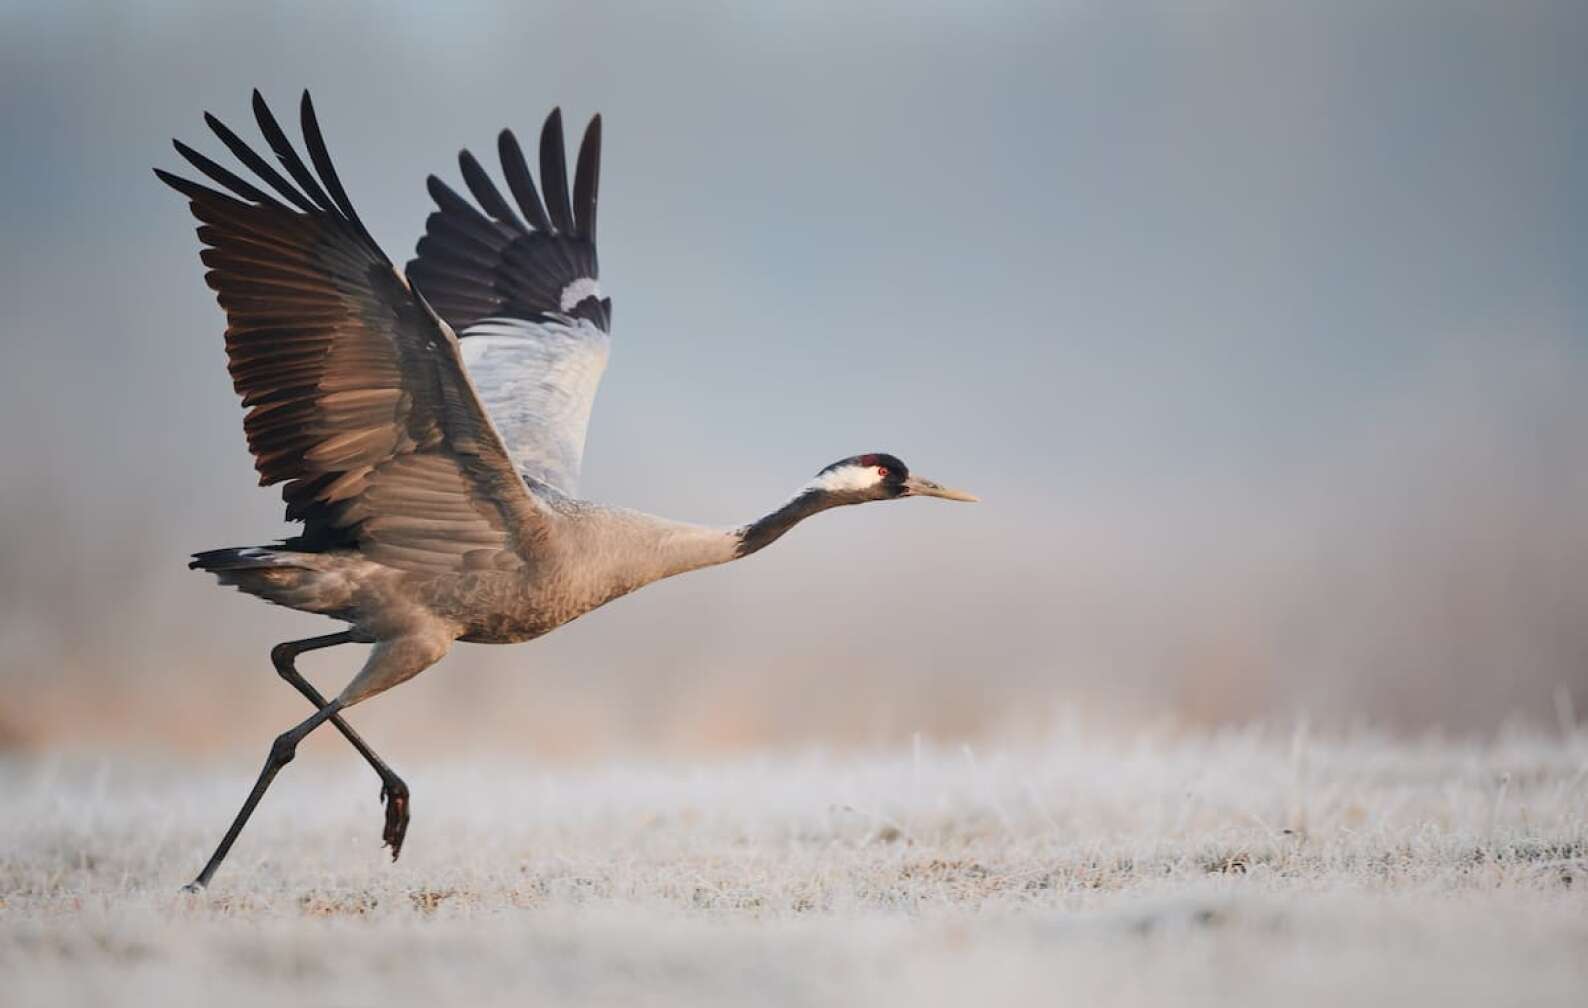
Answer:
(873, 477)
(854, 480)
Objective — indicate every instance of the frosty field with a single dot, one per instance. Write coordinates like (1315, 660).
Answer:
(1147, 867)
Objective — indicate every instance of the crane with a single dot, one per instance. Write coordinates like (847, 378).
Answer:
(427, 425)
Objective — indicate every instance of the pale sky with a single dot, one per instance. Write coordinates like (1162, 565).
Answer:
(1202, 298)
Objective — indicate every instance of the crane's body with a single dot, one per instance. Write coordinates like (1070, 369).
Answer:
(596, 555)
(428, 428)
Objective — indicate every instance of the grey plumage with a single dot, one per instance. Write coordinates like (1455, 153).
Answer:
(428, 429)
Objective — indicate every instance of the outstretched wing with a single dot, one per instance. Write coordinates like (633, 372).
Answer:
(521, 293)
(358, 400)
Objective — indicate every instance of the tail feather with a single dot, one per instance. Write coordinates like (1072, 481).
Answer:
(311, 582)
(234, 558)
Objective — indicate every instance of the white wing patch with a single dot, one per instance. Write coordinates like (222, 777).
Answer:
(845, 478)
(577, 291)
(537, 382)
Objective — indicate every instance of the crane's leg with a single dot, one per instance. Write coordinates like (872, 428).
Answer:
(390, 662)
(281, 752)
(393, 792)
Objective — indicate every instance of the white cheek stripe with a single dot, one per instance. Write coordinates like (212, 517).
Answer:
(577, 291)
(851, 477)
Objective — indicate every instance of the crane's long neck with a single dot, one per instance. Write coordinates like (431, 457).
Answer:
(625, 549)
(764, 531)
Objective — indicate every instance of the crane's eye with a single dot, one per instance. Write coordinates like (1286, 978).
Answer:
(882, 472)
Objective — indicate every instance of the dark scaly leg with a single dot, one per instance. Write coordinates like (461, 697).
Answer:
(393, 792)
(281, 752)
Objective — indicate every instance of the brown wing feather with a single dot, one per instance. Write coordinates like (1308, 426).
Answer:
(358, 401)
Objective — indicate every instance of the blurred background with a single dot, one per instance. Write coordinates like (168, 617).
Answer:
(1261, 329)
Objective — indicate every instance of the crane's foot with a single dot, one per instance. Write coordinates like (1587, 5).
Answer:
(194, 888)
(395, 794)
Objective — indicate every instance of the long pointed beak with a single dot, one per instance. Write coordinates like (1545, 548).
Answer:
(918, 487)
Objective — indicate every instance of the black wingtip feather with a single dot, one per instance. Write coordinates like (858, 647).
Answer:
(484, 190)
(554, 173)
(204, 200)
(479, 259)
(189, 189)
(223, 177)
(520, 181)
(587, 180)
(258, 165)
(321, 156)
(276, 137)
(450, 202)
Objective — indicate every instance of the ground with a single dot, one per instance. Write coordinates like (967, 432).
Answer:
(1135, 868)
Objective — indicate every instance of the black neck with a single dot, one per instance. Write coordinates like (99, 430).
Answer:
(764, 531)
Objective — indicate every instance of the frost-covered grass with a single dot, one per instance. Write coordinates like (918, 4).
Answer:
(1150, 868)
